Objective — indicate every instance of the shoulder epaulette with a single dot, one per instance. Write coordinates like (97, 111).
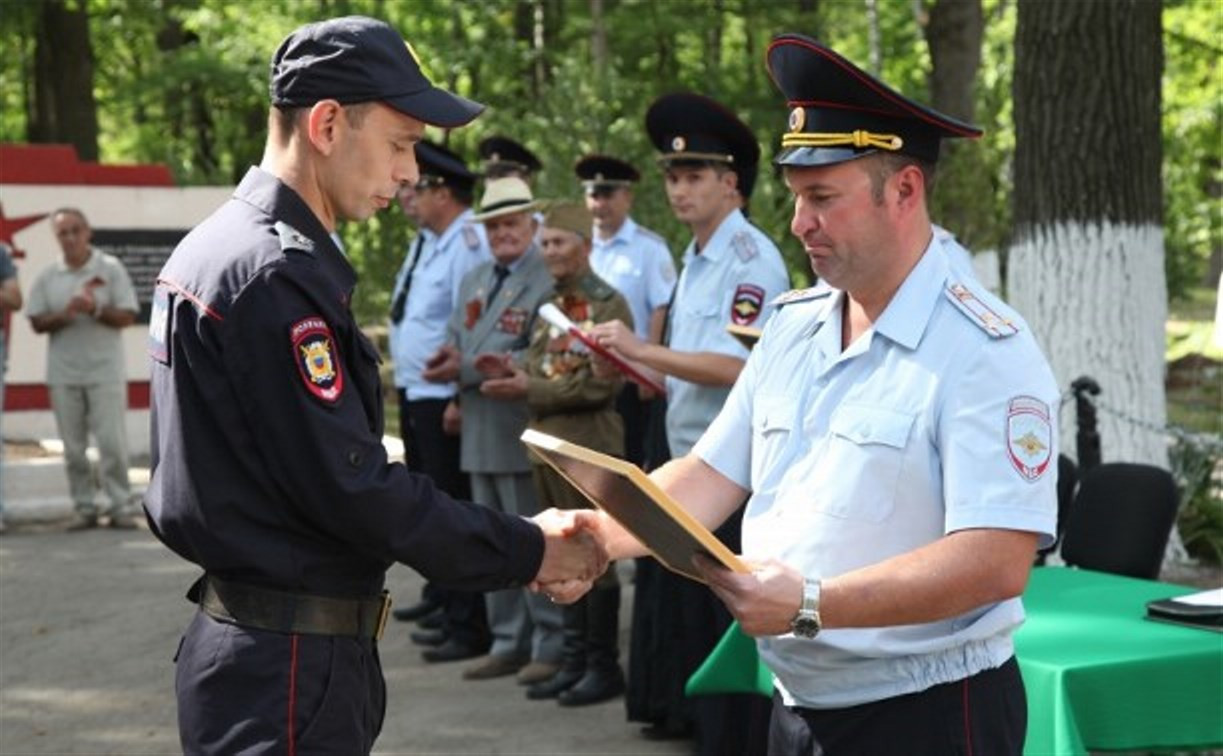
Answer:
(470, 237)
(811, 293)
(291, 238)
(967, 302)
(744, 246)
(597, 288)
(647, 233)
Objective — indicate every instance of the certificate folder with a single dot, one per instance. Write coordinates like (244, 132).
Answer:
(746, 335)
(1204, 610)
(622, 490)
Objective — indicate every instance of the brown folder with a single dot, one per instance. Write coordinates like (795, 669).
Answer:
(626, 493)
(746, 335)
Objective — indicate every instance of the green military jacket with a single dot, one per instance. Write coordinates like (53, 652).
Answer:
(564, 398)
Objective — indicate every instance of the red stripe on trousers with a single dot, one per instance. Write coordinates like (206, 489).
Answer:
(292, 691)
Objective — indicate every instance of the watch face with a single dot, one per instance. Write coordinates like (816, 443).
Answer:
(805, 627)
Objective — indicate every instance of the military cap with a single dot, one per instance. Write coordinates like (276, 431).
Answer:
(839, 112)
(569, 216)
(505, 196)
(358, 59)
(692, 128)
(440, 166)
(602, 172)
(499, 153)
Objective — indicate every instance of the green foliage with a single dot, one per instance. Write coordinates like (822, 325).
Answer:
(1195, 460)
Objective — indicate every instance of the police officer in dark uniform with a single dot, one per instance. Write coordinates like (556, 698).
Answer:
(268, 469)
(503, 157)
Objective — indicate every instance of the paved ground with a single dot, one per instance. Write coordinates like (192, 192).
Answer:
(89, 623)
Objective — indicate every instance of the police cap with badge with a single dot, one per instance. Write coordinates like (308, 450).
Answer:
(357, 59)
(503, 156)
(442, 167)
(692, 129)
(601, 175)
(838, 112)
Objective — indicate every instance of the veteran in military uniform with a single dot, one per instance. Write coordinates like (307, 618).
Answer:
(567, 400)
(487, 334)
(894, 432)
(268, 468)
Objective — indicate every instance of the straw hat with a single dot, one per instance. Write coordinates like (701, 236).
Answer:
(505, 196)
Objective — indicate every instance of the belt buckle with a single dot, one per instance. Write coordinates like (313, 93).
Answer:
(383, 614)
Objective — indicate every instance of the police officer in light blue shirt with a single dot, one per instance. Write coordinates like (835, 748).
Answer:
(894, 433)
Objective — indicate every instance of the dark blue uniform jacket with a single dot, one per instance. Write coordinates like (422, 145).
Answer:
(268, 465)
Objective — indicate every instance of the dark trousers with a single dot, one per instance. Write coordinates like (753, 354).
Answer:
(636, 416)
(256, 692)
(430, 451)
(984, 714)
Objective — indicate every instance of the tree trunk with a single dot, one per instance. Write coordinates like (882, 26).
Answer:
(1087, 268)
(872, 27)
(598, 38)
(64, 108)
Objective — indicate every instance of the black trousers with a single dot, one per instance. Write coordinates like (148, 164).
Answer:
(985, 714)
(257, 692)
(428, 450)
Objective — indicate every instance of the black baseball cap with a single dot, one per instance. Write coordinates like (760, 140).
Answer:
(839, 112)
(358, 59)
(692, 128)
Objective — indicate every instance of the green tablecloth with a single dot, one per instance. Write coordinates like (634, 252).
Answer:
(1098, 674)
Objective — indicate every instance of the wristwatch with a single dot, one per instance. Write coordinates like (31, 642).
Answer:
(806, 624)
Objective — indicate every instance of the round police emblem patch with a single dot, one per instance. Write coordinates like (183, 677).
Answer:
(317, 360)
(798, 119)
(1029, 436)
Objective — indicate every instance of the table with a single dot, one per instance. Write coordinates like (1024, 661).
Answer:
(1098, 675)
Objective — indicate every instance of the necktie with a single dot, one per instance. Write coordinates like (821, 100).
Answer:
(501, 272)
(401, 299)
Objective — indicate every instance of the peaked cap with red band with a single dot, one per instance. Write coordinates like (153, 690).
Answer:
(838, 112)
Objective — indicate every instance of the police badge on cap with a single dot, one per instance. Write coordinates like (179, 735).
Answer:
(838, 112)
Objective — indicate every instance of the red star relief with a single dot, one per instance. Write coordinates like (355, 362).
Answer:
(10, 226)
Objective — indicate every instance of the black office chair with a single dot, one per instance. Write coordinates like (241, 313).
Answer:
(1121, 519)
(1067, 480)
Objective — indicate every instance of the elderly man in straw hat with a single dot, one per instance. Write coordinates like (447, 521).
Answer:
(490, 326)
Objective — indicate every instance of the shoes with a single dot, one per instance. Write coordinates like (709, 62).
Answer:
(83, 522)
(451, 650)
(666, 732)
(599, 684)
(566, 678)
(494, 665)
(537, 672)
(415, 611)
(435, 620)
(428, 637)
(123, 522)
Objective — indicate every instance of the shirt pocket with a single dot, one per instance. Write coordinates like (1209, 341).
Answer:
(863, 461)
(772, 423)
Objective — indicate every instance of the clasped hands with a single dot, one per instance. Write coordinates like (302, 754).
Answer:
(574, 554)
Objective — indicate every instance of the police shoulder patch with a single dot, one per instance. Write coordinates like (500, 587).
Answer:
(980, 313)
(470, 237)
(746, 305)
(819, 291)
(1029, 436)
(291, 238)
(318, 363)
(744, 246)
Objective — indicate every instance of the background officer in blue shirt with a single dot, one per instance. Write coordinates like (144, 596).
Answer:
(268, 468)
(426, 292)
(895, 431)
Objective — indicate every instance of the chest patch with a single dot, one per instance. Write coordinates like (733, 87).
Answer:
(1029, 436)
(317, 360)
(746, 305)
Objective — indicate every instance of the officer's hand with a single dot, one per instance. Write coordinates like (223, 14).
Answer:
(565, 591)
(512, 387)
(452, 419)
(443, 366)
(764, 600)
(602, 368)
(494, 365)
(571, 550)
(616, 335)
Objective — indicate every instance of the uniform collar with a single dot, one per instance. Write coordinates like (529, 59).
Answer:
(719, 242)
(623, 235)
(905, 318)
(526, 257)
(456, 226)
(278, 200)
(89, 264)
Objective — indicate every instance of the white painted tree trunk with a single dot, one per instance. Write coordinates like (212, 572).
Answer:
(1095, 297)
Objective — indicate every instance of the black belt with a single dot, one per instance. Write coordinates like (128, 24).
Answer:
(285, 612)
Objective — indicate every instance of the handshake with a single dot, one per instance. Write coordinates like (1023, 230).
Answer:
(574, 553)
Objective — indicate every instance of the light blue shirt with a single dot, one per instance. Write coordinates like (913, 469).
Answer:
(732, 280)
(941, 417)
(433, 295)
(637, 263)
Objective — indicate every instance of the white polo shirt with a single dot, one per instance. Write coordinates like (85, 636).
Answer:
(940, 418)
